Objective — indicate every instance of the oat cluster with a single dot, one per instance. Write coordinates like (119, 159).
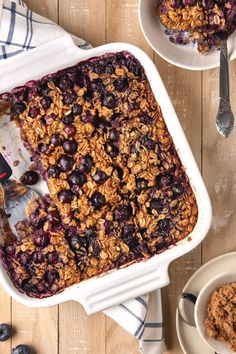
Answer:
(204, 22)
(118, 192)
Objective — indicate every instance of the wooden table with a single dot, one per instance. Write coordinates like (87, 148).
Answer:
(66, 329)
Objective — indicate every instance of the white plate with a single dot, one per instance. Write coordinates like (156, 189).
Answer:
(183, 56)
(189, 337)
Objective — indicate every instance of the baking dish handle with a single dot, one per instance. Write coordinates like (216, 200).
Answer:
(119, 286)
(40, 61)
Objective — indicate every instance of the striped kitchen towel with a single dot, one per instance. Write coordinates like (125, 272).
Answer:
(20, 30)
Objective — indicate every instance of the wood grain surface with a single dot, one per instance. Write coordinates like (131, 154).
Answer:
(66, 329)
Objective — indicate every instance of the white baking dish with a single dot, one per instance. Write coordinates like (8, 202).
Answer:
(119, 285)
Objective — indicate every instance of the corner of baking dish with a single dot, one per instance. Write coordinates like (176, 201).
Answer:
(99, 293)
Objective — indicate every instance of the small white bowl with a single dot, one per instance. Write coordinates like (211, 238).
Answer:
(200, 311)
(185, 56)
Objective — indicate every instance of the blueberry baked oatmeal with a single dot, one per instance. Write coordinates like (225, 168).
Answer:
(118, 192)
(203, 22)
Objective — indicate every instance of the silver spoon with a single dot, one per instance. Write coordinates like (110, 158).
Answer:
(225, 117)
(186, 303)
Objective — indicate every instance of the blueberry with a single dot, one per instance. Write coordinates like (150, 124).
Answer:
(51, 276)
(98, 68)
(113, 151)
(87, 118)
(46, 102)
(146, 119)
(10, 250)
(52, 257)
(66, 163)
(122, 213)
(121, 84)
(121, 59)
(109, 69)
(98, 200)
(48, 119)
(65, 84)
(65, 196)
(128, 230)
(70, 130)
(29, 178)
(86, 163)
(109, 100)
(76, 189)
(77, 109)
(91, 232)
(81, 79)
(164, 226)
(100, 177)
(26, 286)
(41, 286)
(54, 217)
(53, 171)
(18, 108)
(163, 180)
(77, 178)
(97, 85)
(25, 258)
(43, 148)
(69, 97)
(88, 95)
(37, 222)
(74, 242)
(41, 240)
(132, 242)
(108, 227)
(148, 143)
(99, 122)
(68, 119)
(141, 183)
(133, 149)
(70, 146)
(156, 204)
(43, 89)
(5, 332)
(57, 139)
(34, 112)
(120, 172)
(114, 135)
(21, 349)
(79, 244)
(135, 67)
(177, 189)
(31, 93)
(38, 257)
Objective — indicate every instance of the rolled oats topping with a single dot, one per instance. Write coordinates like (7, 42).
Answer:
(203, 22)
(118, 192)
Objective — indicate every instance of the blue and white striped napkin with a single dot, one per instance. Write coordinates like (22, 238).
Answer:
(20, 30)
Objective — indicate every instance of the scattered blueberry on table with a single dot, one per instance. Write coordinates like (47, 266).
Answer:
(21, 349)
(5, 332)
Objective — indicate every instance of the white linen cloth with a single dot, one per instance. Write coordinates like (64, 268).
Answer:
(20, 30)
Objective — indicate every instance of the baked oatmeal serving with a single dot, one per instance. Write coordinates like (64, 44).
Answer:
(221, 315)
(203, 22)
(118, 192)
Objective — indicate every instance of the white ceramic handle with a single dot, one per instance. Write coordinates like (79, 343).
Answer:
(232, 47)
(47, 58)
(122, 287)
